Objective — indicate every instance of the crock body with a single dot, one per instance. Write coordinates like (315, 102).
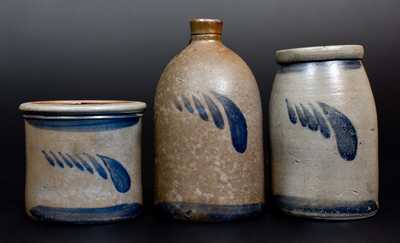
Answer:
(324, 139)
(83, 169)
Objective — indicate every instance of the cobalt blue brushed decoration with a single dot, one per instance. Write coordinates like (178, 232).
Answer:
(75, 162)
(236, 120)
(48, 158)
(200, 108)
(311, 121)
(85, 164)
(291, 112)
(351, 64)
(335, 209)
(215, 113)
(86, 215)
(346, 135)
(187, 104)
(302, 117)
(323, 125)
(84, 125)
(118, 174)
(99, 169)
(178, 105)
(326, 65)
(59, 163)
(66, 160)
(237, 123)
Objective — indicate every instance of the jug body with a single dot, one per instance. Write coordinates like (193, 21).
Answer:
(208, 133)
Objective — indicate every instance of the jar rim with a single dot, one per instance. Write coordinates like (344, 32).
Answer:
(320, 53)
(82, 107)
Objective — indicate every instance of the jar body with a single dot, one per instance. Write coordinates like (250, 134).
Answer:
(324, 140)
(208, 136)
(83, 169)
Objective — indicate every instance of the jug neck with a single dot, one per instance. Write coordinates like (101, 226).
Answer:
(206, 37)
(205, 29)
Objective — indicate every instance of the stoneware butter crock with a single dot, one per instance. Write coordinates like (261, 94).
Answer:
(83, 160)
(324, 134)
(208, 132)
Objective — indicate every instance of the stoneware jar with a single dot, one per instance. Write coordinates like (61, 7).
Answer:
(324, 135)
(83, 160)
(208, 132)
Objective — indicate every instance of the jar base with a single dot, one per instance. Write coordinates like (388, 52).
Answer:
(307, 208)
(208, 212)
(86, 215)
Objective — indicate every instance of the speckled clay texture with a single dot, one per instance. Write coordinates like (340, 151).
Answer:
(196, 162)
(324, 135)
(63, 183)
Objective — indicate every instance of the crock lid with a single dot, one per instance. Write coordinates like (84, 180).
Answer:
(320, 53)
(82, 107)
(201, 26)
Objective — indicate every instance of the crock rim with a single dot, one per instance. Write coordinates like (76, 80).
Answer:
(320, 53)
(82, 107)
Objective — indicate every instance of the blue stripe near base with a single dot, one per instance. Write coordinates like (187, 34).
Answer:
(86, 215)
(208, 212)
(336, 210)
(83, 125)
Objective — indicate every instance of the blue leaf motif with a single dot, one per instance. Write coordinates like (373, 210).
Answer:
(346, 134)
(100, 170)
(85, 164)
(313, 119)
(291, 112)
(56, 159)
(66, 160)
(236, 119)
(48, 158)
(200, 108)
(215, 113)
(119, 175)
(75, 162)
(237, 122)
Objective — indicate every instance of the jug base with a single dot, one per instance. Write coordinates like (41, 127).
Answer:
(208, 212)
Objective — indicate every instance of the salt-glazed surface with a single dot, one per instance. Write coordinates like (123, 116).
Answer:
(83, 160)
(324, 135)
(208, 132)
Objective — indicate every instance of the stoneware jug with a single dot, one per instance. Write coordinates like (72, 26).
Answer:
(324, 135)
(208, 132)
(83, 160)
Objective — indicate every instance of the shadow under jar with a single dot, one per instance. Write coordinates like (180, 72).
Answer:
(208, 133)
(83, 160)
(324, 136)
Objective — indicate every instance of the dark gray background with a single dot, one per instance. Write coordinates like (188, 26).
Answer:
(102, 49)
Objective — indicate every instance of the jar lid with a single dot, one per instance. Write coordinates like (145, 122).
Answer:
(320, 53)
(201, 26)
(82, 107)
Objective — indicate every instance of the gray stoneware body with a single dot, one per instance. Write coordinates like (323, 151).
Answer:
(208, 135)
(324, 135)
(82, 168)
